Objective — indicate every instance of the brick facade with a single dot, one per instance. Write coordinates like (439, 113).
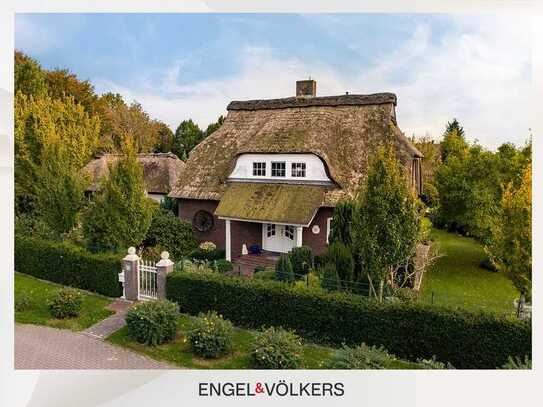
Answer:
(248, 232)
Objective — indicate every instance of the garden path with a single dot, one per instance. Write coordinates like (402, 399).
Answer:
(41, 347)
(106, 327)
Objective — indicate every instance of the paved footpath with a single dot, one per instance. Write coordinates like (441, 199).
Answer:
(41, 347)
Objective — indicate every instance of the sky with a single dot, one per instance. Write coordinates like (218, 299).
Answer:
(476, 68)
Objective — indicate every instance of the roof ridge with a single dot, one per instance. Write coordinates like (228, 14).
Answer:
(293, 101)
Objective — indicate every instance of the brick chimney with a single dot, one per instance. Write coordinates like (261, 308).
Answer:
(306, 89)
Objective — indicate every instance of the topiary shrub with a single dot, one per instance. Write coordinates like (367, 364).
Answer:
(342, 257)
(359, 357)
(475, 340)
(283, 269)
(276, 348)
(66, 303)
(329, 278)
(223, 266)
(67, 264)
(170, 233)
(211, 335)
(302, 260)
(152, 322)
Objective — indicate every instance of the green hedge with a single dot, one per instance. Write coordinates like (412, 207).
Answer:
(465, 339)
(68, 265)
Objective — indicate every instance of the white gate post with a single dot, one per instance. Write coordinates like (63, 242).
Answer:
(299, 234)
(131, 275)
(163, 267)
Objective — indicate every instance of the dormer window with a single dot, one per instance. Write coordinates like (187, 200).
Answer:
(298, 170)
(259, 169)
(278, 169)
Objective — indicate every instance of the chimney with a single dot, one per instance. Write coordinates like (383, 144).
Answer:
(306, 89)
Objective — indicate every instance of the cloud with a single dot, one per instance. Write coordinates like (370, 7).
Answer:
(478, 71)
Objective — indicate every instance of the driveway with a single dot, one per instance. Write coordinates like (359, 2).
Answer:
(40, 347)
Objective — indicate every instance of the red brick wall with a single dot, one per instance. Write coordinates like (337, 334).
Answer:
(248, 232)
(317, 242)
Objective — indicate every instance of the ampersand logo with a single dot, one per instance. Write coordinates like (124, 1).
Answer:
(259, 388)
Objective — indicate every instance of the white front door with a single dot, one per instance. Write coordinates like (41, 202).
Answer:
(278, 238)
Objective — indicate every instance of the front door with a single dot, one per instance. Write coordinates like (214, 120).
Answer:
(278, 238)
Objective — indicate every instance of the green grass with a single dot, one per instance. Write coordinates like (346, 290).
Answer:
(457, 280)
(178, 352)
(39, 292)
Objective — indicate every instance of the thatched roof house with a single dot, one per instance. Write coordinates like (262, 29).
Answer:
(337, 133)
(160, 171)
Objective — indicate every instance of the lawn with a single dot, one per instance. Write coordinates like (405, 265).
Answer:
(457, 280)
(178, 352)
(39, 291)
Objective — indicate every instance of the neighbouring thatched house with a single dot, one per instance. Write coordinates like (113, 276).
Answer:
(160, 172)
(272, 174)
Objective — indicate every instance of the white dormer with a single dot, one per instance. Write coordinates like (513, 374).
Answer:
(291, 168)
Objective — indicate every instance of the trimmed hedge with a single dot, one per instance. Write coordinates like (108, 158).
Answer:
(410, 331)
(68, 265)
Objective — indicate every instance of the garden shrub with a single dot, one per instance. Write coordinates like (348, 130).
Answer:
(409, 331)
(329, 278)
(66, 303)
(153, 322)
(67, 264)
(302, 260)
(211, 335)
(405, 294)
(171, 234)
(267, 274)
(283, 269)
(342, 257)
(223, 266)
(359, 357)
(207, 251)
(23, 302)
(277, 348)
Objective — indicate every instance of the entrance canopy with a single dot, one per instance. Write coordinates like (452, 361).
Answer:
(271, 203)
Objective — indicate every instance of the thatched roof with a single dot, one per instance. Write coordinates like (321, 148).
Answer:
(160, 171)
(291, 204)
(344, 131)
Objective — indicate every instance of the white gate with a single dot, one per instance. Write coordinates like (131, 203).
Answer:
(147, 277)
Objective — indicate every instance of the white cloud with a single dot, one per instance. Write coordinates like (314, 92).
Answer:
(477, 72)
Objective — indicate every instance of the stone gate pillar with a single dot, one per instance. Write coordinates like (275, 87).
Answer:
(163, 267)
(131, 280)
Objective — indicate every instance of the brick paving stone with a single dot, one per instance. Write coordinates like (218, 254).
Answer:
(40, 347)
(107, 326)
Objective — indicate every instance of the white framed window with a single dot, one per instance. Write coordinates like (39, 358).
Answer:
(270, 229)
(328, 229)
(259, 169)
(289, 232)
(298, 170)
(278, 169)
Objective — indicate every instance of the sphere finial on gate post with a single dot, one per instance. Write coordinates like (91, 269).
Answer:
(164, 260)
(131, 256)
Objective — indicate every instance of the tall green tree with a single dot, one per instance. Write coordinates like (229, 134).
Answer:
(454, 142)
(387, 219)
(511, 248)
(45, 127)
(60, 189)
(29, 76)
(341, 226)
(120, 215)
(214, 126)
(186, 137)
